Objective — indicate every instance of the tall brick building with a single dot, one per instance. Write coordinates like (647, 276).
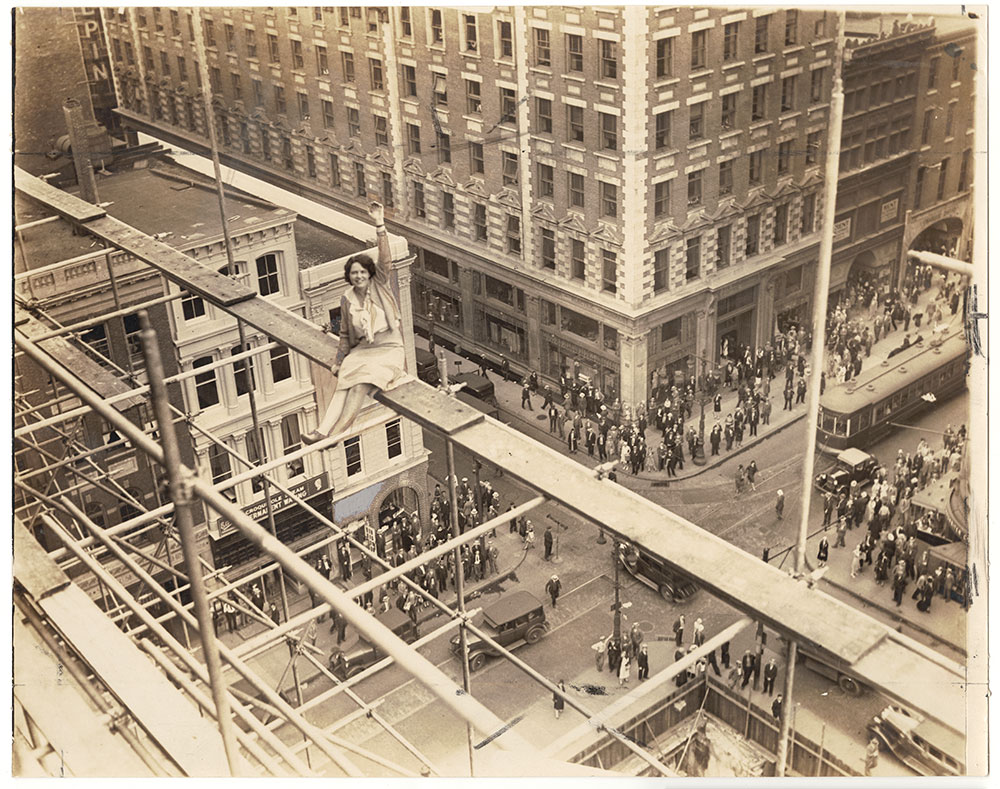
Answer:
(623, 189)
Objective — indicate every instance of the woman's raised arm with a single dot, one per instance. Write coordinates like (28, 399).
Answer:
(383, 265)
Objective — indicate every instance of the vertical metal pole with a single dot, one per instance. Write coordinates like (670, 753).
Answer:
(820, 294)
(183, 516)
(822, 740)
(617, 630)
(460, 590)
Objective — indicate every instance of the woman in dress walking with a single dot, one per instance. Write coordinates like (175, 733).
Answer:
(558, 703)
(371, 353)
(623, 669)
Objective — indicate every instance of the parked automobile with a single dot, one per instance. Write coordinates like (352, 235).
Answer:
(512, 621)
(427, 367)
(655, 573)
(922, 744)
(853, 465)
(345, 663)
(478, 392)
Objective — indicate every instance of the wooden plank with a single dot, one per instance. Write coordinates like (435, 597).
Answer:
(98, 378)
(61, 711)
(167, 716)
(63, 203)
(416, 399)
(34, 570)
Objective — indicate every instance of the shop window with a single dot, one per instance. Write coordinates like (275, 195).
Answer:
(291, 440)
(610, 338)
(671, 331)
(499, 290)
(580, 325)
(256, 458)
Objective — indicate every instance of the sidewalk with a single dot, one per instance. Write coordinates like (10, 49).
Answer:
(535, 424)
(945, 621)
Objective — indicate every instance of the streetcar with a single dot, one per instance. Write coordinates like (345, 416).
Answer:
(860, 412)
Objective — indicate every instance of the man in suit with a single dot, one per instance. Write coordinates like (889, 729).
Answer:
(770, 675)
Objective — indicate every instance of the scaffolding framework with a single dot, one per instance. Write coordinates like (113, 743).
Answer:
(894, 664)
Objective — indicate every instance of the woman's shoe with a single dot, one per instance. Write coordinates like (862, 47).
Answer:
(312, 437)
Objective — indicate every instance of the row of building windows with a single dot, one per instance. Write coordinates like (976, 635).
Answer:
(207, 382)
(964, 179)
(268, 282)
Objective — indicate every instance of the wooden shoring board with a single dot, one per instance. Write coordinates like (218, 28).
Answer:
(63, 203)
(785, 604)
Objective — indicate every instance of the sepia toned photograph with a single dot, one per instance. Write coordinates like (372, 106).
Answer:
(515, 392)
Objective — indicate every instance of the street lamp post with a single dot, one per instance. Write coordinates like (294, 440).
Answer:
(698, 458)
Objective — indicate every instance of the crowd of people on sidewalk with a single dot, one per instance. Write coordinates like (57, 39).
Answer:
(893, 525)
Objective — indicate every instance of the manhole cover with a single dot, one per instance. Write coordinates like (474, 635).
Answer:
(541, 417)
(645, 625)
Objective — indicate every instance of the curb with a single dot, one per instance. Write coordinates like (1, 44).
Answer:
(896, 617)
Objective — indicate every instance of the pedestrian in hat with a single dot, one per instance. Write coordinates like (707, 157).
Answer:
(779, 504)
(553, 587)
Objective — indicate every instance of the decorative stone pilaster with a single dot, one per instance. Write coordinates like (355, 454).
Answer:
(633, 355)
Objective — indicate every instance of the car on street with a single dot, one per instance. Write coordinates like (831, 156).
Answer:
(427, 367)
(922, 744)
(853, 465)
(671, 584)
(512, 621)
(345, 663)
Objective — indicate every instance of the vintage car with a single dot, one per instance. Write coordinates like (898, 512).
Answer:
(853, 465)
(512, 621)
(923, 745)
(669, 583)
(427, 367)
(345, 663)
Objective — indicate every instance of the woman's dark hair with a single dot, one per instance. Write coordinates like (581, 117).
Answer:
(364, 260)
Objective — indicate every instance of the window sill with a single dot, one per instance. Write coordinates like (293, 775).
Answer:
(730, 134)
(579, 147)
(734, 64)
(606, 85)
(787, 115)
(791, 49)
(761, 57)
(698, 144)
(665, 82)
(759, 124)
(701, 73)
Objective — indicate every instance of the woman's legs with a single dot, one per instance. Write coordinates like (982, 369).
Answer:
(333, 411)
(341, 413)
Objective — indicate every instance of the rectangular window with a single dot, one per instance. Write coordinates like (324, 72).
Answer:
(405, 21)
(347, 63)
(728, 114)
(760, 34)
(784, 157)
(816, 80)
(334, 170)
(609, 271)
(696, 121)
(812, 147)
(723, 246)
(237, 87)
(671, 330)
(699, 41)
(692, 269)
(508, 106)
(788, 86)
(756, 167)
(548, 248)
(918, 188)
(781, 224)
(963, 171)
(925, 132)
(758, 103)
(280, 105)
(352, 452)
(543, 109)
(209, 33)
(661, 199)
(448, 209)
(546, 180)
(281, 366)
(388, 197)
(694, 188)
(574, 123)
(661, 270)
(476, 161)
(942, 178)
(574, 52)
(242, 376)
(471, 33)
(513, 235)
(221, 467)
(205, 384)
(444, 148)
(230, 38)
(578, 264)
(265, 143)
(753, 235)
(956, 61)
(730, 41)
(609, 59)
(381, 130)
(267, 275)
(310, 161)
(303, 101)
(375, 70)
(353, 122)
(726, 177)
(250, 36)
(791, 27)
(413, 139)
(575, 190)
(419, 207)
(273, 53)
(256, 458)
(543, 47)
(479, 222)
(258, 92)
(393, 438)
(192, 306)
(147, 58)
(505, 33)
(440, 90)
(327, 107)
(165, 63)
(437, 27)
(322, 61)
(949, 121)
(473, 96)
(175, 23)
(662, 133)
(510, 173)
(664, 58)
(609, 131)
(609, 199)
(932, 72)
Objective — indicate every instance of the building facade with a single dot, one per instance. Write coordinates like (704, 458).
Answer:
(619, 191)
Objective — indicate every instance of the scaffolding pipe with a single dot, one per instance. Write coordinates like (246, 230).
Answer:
(184, 520)
(460, 591)
(943, 261)
(118, 312)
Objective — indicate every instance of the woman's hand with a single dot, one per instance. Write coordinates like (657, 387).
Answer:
(335, 369)
(377, 212)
